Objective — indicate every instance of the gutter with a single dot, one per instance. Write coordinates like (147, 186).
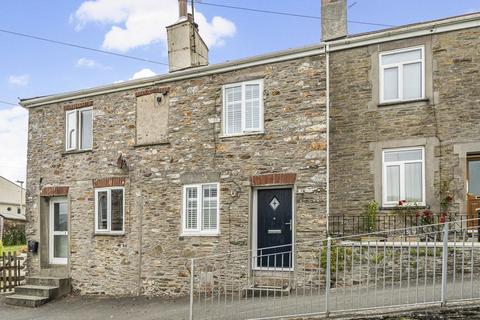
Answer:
(404, 32)
(290, 54)
(409, 31)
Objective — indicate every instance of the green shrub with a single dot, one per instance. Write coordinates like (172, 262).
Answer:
(376, 259)
(14, 236)
(338, 253)
(371, 212)
(1, 247)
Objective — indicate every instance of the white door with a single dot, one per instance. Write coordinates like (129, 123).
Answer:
(58, 231)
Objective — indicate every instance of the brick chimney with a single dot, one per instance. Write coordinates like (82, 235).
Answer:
(186, 49)
(334, 19)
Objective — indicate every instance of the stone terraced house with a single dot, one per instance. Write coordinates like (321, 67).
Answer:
(405, 122)
(128, 181)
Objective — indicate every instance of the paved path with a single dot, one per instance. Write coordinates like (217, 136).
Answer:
(98, 308)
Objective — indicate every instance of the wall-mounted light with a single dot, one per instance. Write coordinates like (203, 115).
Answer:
(160, 98)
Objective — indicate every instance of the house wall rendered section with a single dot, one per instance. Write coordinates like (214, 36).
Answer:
(11, 197)
(152, 248)
(443, 123)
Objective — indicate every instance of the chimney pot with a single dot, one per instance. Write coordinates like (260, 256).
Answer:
(182, 8)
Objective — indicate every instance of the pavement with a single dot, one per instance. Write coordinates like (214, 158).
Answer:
(349, 300)
(98, 308)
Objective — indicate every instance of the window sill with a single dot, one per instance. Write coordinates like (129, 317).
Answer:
(396, 103)
(76, 152)
(153, 144)
(257, 133)
(394, 207)
(200, 234)
(109, 233)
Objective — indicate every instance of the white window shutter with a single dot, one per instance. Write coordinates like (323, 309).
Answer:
(191, 209)
(71, 130)
(252, 107)
(233, 110)
(209, 207)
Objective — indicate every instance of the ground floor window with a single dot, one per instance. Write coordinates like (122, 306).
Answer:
(200, 209)
(403, 176)
(109, 210)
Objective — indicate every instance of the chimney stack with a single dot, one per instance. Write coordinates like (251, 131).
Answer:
(334, 19)
(186, 49)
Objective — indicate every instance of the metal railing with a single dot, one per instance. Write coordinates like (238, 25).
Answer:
(341, 225)
(337, 275)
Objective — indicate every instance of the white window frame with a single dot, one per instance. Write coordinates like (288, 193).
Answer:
(245, 131)
(400, 65)
(109, 211)
(199, 231)
(78, 129)
(402, 176)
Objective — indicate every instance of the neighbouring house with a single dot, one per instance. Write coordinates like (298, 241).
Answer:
(128, 181)
(11, 220)
(405, 114)
(12, 197)
(12, 205)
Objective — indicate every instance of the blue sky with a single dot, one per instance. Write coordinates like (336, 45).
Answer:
(31, 68)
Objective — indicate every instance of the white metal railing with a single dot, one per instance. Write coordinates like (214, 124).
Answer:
(439, 263)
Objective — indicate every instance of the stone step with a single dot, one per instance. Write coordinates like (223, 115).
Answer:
(63, 285)
(48, 281)
(37, 291)
(25, 301)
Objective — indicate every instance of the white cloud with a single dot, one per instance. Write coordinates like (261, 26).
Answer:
(136, 23)
(90, 64)
(19, 80)
(13, 143)
(144, 73)
(87, 63)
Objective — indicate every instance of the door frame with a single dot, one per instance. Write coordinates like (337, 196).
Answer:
(471, 157)
(255, 225)
(51, 259)
(472, 225)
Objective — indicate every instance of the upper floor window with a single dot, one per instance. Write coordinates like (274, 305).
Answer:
(243, 108)
(402, 75)
(109, 210)
(78, 129)
(404, 176)
(200, 209)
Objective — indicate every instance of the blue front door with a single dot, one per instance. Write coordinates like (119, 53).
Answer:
(274, 228)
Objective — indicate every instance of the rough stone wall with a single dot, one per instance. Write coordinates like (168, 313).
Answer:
(457, 70)
(294, 141)
(447, 118)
